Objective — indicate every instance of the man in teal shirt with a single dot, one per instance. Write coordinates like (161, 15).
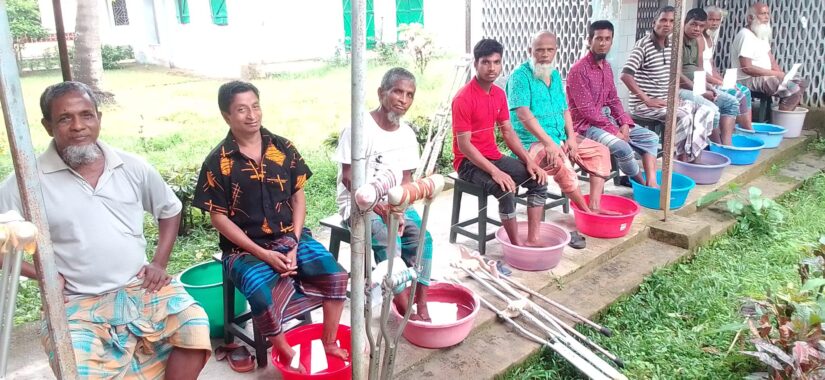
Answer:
(538, 108)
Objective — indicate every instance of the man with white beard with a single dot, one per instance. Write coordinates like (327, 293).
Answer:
(95, 197)
(542, 121)
(758, 69)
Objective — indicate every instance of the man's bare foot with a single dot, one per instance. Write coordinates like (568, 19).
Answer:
(285, 356)
(534, 243)
(422, 312)
(332, 349)
(652, 183)
(401, 302)
(606, 212)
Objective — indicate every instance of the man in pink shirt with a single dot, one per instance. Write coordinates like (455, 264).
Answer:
(478, 108)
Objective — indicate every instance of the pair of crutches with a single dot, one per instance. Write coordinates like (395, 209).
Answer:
(16, 238)
(384, 344)
(558, 336)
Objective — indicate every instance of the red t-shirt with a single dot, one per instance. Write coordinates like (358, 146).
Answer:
(477, 112)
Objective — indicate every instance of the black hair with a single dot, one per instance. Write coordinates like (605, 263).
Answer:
(663, 10)
(697, 14)
(57, 90)
(228, 91)
(599, 25)
(486, 47)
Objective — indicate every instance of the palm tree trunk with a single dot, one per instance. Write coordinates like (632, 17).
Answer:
(88, 62)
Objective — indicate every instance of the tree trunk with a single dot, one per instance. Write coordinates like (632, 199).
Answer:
(88, 61)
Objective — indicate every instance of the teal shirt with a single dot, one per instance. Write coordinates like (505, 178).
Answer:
(547, 104)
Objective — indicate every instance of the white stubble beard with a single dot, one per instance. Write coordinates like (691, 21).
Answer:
(541, 70)
(78, 155)
(762, 31)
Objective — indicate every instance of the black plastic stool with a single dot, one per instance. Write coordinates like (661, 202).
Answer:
(456, 227)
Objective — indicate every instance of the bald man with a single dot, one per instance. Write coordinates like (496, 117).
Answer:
(758, 69)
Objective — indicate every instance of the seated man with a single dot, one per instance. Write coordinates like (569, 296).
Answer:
(647, 75)
(95, 197)
(478, 108)
(390, 144)
(707, 45)
(758, 69)
(252, 185)
(597, 111)
(695, 22)
(542, 121)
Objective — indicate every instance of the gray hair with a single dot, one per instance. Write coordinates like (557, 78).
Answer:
(543, 33)
(714, 9)
(393, 75)
(57, 90)
(753, 12)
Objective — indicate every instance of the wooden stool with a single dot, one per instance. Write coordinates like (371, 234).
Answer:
(763, 113)
(234, 326)
(456, 227)
(339, 232)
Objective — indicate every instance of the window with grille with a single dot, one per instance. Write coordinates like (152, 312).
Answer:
(119, 12)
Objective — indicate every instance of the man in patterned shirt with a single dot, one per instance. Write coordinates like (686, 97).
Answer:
(251, 185)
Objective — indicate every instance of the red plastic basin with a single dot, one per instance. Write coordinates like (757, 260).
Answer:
(554, 239)
(337, 369)
(429, 335)
(607, 226)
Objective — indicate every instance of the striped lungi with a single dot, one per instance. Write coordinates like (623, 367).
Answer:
(273, 298)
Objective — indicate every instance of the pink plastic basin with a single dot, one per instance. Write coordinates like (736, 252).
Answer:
(607, 226)
(554, 239)
(429, 335)
(304, 335)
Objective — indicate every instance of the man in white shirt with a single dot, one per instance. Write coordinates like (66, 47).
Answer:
(758, 69)
(127, 317)
(390, 144)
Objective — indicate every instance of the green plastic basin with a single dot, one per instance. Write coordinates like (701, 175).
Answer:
(204, 283)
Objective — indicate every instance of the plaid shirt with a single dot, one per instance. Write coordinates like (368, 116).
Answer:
(590, 87)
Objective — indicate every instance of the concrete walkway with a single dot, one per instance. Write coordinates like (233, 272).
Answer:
(586, 280)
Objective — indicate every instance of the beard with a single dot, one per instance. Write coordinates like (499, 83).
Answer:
(78, 155)
(599, 57)
(713, 34)
(541, 70)
(762, 31)
(394, 118)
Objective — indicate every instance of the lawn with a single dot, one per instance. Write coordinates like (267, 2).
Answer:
(673, 328)
(172, 119)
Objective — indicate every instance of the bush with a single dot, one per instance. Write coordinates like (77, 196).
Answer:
(113, 55)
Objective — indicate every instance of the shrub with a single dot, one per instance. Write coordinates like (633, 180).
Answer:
(113, 55)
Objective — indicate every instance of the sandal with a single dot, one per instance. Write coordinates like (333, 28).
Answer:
(577, 241)
(238, 356)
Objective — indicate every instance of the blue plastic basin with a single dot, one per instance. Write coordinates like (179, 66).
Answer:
(745, 150)
(649, 196)
(770, 134)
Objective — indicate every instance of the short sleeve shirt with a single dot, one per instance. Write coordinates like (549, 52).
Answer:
(649, 64)
(747, 45)
(477, 112)
(255, 196)
(396, 150)
(97, 232)
(546, 103)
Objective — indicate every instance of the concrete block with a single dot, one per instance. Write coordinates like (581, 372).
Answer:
(680, 231)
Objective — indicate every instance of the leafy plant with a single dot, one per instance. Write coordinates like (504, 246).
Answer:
(113, 55)
(754, 212)
(817, 145)
(24, 22)
(388, 54)
(422, 126)
(786, 330)
(183, 182)
(418, 43)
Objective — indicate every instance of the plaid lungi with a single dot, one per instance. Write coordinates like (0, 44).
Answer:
(274, 299)
(129, 333)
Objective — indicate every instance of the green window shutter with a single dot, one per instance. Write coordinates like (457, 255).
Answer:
(219, 12)
(182, 11)
(348, 24)
(409, 12)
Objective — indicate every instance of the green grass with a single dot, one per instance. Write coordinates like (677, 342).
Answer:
(670, 328)
(172, 119)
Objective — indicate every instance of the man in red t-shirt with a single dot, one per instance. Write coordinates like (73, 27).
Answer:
(478, 108)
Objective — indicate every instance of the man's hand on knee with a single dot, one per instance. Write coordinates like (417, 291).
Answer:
(154, 277)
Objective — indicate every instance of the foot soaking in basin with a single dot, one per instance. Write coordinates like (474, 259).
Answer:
(553, 239)
(453, 310)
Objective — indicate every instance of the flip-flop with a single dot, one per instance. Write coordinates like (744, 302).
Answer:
(502, 269)
(577, 241)
(238, 356)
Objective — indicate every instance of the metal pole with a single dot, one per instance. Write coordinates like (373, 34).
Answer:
(25, 167)
(358, 231)
(677, 41)
(468, 26)
(15, 237)
(60, 33)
